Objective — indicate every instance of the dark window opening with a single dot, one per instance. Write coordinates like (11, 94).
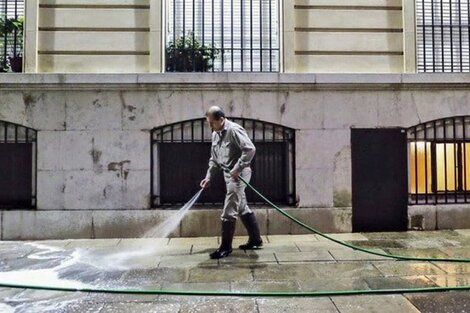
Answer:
(18, 150)
(439, 161)
(180, 155)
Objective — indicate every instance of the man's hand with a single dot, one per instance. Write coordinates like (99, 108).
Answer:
(235, 173)
(205, 183)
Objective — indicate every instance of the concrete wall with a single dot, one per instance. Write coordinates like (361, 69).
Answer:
(94, 153)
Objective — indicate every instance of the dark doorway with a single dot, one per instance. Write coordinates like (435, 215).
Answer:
(379, 179)
(16, 180)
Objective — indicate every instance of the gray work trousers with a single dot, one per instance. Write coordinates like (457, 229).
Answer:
(235, 200)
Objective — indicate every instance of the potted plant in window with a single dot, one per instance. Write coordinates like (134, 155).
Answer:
(12, 28)
(187, 54)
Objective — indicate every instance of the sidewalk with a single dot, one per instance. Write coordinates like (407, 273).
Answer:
(286, 263)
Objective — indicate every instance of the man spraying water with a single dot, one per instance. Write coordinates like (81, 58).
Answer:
(232, 151)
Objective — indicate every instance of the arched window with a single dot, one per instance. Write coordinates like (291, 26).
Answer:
(18, 150)
(439, 161)
(181, 151)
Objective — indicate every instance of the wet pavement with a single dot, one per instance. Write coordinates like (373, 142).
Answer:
(286, 263)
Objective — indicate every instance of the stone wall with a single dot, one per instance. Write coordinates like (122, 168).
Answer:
(94, 147)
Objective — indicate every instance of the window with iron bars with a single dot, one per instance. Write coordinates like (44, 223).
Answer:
(18, 164)
(180, 156)
(11, 38)
(439, 161)
(443, 35)
(222, 35)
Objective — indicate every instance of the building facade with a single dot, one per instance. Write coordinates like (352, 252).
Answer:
(101, 138)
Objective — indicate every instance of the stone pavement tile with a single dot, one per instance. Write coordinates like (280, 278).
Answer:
(344, 237)
(220, 286)
(288, 305)
(143, 242)
(379, 303)
(344, 270)
(193, 241)
(431, 243)
(32, 296)
(203, 249)
(389, 235)
(321, 255)
(320, 245)
(431, 302)
(437, 234)
(120, 297)
(276, 239)
(139, 307)
(283, 272)
(217, 305)
(265, 285)
(380, 244)
(352, 255)
(281, 247)
(453, 268)
(154, 278)
(334, 283)
(52, 243)
(450, 280)
(7, 308)
(463, 232)
(193, 260)
(457, 252)
(14, 249)
(7, 293)
(249, 256)
(407, 268)
(91, 243)
(398, 282)
(223, 273)
(239, 240)
(419, 253)
(73, 306)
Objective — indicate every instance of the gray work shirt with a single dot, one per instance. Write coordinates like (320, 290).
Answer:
(231, 148)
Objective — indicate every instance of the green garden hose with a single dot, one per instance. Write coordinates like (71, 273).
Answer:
(270, 293)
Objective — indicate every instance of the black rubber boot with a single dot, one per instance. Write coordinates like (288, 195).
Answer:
(254, 238)
(228, 229)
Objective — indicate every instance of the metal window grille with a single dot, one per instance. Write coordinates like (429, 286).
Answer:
(10, 44)
(439, 161)
(181, 151)
(18, 164)
(443, 35)
(233, 35)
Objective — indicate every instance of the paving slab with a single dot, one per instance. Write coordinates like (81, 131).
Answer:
(287, 305)
(140, 308)
(450, 280)
(344, 237)
(418, 281)
(454, 301)
(352, 255)
(265, 285)
(453, 268)
(272, 239)
(224, 273)
(408, 268)
(382, 304)
(322, 255)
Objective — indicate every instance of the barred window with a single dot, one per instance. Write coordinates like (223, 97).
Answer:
(439, 161)
(180, 155)
(443, 35)
(11, 42)
(18, 150)
(223, 35)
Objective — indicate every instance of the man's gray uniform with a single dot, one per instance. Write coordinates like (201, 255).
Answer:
(232, 148)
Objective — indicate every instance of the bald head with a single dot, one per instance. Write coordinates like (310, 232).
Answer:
(215, 112)
(215, 116)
